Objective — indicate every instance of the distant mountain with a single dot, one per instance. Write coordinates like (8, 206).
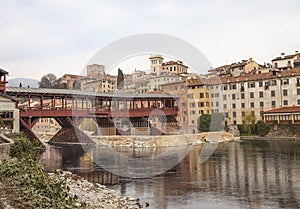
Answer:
(24, 81)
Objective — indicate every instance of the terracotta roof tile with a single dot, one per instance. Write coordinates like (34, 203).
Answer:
(290, 109)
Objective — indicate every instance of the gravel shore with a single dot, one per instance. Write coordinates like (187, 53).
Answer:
(94, 195)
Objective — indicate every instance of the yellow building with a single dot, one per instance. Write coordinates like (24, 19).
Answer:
(199, 103)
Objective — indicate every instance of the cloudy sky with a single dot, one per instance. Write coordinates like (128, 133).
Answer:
(39, 37)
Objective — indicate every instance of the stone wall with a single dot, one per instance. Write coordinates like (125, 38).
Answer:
(4, 151)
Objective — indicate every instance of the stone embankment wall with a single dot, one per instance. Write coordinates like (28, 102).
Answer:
(163, 140)
(4, 147)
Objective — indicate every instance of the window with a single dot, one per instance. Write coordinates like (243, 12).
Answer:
(225, 105)
(224, 96)
(233, 86)
(251, 85)
(251, 104)
(200, 104)
(261, 104)
(201, 95)
(298, 91)
(285, 81)
(273, 103)
(212, 104)
(234, 114)
(242, 105)
(298, 101)
(217, 104)
(272, 93)
(260, 84)
(225, 87)
(193, 121)
(285, 92)
(192, 104)
(273, 83)
(242, 95)
(192, 112)
(243, 114)
(233, 105)
(261, 94)
(233, 96)
(285, 102)
(251, 94)
(190, 96)
(183, 104)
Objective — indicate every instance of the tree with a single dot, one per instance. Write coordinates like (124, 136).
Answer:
(262, 128)
(249, 121)
(203, 123)
(120, 80)
(213, 122)
(48, 81)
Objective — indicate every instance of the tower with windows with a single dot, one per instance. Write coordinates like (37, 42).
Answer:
(156, 61)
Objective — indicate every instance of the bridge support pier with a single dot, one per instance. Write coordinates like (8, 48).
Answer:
(69, 132)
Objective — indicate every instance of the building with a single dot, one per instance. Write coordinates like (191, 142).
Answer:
(158, 67)
(95, 71)
(179, 89)
(155, 82)
(9, 114)
(70, 81)
(254, 93)
(3, 81)
(236, 69)
(284, 62)
(283, 115)
(199, 102)
(98, 85)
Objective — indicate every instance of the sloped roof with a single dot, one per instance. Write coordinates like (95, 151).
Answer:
(289, 109)
(68, 92)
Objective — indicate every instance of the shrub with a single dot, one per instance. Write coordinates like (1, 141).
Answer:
(262, 128)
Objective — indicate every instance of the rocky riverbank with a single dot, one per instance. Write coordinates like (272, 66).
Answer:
(163, 140)
(94, 195)
(25, 184)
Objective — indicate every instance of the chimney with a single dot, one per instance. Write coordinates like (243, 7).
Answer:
(282, 55)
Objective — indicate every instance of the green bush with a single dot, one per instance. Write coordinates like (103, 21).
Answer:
(262, 128)
(27, 185)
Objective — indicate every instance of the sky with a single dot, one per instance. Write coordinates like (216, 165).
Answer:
(40, 37)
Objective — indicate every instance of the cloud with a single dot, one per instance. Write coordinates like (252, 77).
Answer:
(34, 33)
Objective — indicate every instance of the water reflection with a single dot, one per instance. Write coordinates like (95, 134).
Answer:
(238, 175)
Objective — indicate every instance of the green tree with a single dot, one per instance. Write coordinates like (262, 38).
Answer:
(211, 122)
(120, 80)
(249, 121)
(203, 122)
(262, 128)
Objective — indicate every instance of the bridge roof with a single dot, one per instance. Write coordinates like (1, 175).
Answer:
(68, 92)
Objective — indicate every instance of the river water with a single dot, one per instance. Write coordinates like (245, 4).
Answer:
(244, 174)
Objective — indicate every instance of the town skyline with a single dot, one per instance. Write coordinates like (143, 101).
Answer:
(42, 37)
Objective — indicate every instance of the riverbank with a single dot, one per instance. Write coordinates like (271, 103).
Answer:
(163, 140)
(25, 184)
(267, 138)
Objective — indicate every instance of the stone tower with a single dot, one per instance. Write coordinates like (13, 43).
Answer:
(156, 61)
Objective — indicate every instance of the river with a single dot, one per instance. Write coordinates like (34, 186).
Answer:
(241, 174)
